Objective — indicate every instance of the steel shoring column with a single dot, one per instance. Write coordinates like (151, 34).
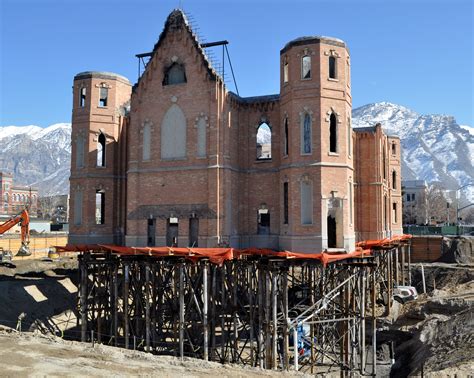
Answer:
(362, 317)
(403, 269)
(115, 302)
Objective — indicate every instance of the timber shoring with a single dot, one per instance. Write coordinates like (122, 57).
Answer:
(246, 311)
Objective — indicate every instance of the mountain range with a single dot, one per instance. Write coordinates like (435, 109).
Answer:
(435, 148)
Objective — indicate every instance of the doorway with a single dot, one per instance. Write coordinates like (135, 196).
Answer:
(193, 232)
(172, 232)
(151, 230)
(332, 234)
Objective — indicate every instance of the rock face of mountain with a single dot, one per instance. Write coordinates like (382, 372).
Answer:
(434, 147)
(38, 157)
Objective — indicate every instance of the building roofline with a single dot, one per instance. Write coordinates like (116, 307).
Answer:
(307, 40)
(255, 99)
(101, 75)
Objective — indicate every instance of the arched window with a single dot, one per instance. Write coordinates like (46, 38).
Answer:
(332, 68)
(285, 72)
(394, 179)
(264, 142)
(103, 97)
(146, 142)
(306, 67)
(333, 133)
(173, 134)
(285, 140)
(82, 96)
(394, 148)
(101, 150)
(175, 74)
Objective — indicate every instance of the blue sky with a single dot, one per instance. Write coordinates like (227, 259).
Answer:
(417, 53)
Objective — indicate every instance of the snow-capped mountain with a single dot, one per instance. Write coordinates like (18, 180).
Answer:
(38, 157)
(434, 147)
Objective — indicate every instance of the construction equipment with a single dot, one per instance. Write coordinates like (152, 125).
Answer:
(23, 219)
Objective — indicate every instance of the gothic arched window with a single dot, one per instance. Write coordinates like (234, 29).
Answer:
(175, 74)
(173, 134)
(333, 133)
(264, 142)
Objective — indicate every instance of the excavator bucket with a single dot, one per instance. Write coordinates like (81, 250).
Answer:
(24, 250)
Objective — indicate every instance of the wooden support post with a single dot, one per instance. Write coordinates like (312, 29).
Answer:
(261, 348)
(409, 263)
(126, 283)
(204, 311)
(397, 268)
(403, 269)
(286, 341)
(147, 307)
(362, 317)
(115, 304)
(274, 319)
(181, 310)
(374, 325)
(250, 280)
(84, 278)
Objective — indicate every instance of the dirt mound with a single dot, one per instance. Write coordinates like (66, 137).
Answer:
(436, 333)
(40, 295)
(459, 249)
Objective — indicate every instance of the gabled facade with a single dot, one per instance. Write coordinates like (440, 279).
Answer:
(179, 160)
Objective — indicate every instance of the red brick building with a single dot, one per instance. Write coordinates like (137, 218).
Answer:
(15, 198)
(180, 160)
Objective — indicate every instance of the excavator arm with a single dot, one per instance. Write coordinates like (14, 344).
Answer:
(23, 219)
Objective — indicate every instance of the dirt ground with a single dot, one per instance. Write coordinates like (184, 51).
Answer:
(35, 355)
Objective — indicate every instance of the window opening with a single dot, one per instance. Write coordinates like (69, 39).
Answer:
(332, 67)
(285, 72)
(101, 150)
(286, 137)
(307, 134)
(99, 207)
(264, 142)
(394, 208)
(263, 222)
(103, 97)
(333, 134)
(175, 75)
(394, 180)
(82, 97)
(394, 149)
(306, 67)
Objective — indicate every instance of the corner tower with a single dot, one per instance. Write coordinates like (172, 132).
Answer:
(317, 162)
(98, 158)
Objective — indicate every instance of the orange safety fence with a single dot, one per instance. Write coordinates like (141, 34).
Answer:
(219, 255)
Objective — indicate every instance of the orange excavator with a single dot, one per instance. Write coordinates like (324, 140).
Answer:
(24, 220)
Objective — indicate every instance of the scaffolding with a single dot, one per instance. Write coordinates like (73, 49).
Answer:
(277, 311)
